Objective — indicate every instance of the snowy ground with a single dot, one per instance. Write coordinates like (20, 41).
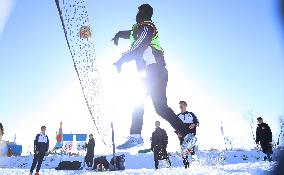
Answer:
(207, 162)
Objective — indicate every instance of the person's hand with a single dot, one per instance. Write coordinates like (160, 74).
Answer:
(118, 66)
(115, 39)
(270, 143)
(37, 152)
(191, 126)
(179, 135)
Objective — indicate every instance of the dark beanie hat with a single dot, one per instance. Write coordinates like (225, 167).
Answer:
(147, 10)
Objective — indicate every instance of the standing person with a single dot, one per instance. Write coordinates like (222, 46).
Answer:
(1, 131)
(41, 145)
(149, 57)
(3, 146)
(191, 122)
(90, 151)
(159, 145)
(264, 138)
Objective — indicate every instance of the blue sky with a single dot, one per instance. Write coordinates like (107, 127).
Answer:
(224, 58)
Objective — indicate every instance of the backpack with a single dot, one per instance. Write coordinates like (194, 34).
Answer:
(68, 165)
(119, 162)
(101, 164)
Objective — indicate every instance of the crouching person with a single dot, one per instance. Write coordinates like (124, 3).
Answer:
(118, 163)
(101, 164)
(41, 145)
(159, 145)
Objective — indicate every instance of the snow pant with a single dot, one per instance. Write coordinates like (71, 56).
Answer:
(266, 149)
(156, 84)
(38, 158)
(89, 160)
(160, 153)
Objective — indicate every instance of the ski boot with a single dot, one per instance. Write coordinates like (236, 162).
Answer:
(264, 158)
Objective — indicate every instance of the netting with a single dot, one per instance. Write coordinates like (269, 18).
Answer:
(76, 25)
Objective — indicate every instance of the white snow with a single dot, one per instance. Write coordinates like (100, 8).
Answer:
(206, 162)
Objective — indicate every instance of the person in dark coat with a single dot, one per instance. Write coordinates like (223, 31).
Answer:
(1, 132)
(3, 146)
(190, 121)
(159, 145)
(41, 145)
(264, 138)
(90, 151)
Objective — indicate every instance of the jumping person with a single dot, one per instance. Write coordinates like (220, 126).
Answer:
(149, 57)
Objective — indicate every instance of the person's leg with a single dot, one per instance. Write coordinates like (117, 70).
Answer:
(156, 164)
(34, 163)
(91, 160)
(137, 119)
(185, 161)
(167, 158)
(159, 98)
(88, 160)
(264, 148)
(269, 152)
(156, 154)
(169, 162)
(40, 159)
(135, 138)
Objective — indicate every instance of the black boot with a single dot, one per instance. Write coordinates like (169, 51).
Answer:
(269, 157)
(186, 165)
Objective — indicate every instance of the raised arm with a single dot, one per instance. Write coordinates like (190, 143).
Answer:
(144, 36)
(121, 34)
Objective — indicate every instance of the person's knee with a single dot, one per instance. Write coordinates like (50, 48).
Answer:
(161, 108)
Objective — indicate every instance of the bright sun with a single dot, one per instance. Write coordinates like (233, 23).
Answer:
(122, 91)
